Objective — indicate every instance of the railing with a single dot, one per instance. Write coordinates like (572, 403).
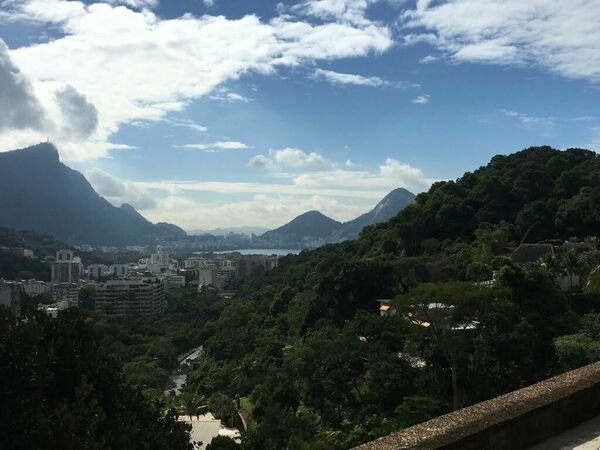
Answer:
(517, 420)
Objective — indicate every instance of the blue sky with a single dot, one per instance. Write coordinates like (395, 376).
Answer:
(230, 113)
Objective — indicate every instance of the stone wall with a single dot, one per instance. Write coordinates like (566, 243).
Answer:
(517, 420)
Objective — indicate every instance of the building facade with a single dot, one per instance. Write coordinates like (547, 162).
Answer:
(207, 276)
(10, 296)
(66, 292)
(119, 270)
(66, 268)
(130, 298)
(174, 281)
(33, 288)
(97, 271)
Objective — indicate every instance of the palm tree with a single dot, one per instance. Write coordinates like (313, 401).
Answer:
(191, 403)
(593, 284)
(572, 265)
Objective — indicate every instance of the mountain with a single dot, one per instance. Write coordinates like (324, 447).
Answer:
(315, 304)
(168, 231)
(315, 226)
(247, 230)
(383, 211)
(39, 193)
(311, 224)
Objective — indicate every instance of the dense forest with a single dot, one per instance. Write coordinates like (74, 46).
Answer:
(42, 244)
(13, 267)
(61, 389)
(313, 365)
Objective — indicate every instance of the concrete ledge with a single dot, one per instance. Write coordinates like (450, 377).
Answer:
(517, 420)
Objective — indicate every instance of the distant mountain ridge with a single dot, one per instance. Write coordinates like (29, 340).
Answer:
(247, 230)
(41, 194)
(387, 208)
(315, 226)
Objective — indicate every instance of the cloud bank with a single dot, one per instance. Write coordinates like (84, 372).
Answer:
(554, 35)
(133, 66)
(20, 107)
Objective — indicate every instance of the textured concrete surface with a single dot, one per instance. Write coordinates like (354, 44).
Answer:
(514, 411)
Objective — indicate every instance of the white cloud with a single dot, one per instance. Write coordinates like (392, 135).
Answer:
(559, 36)
(351, 11)
(263, 210)
(421, 99)
(137, 4)
(428, 59)
(20, 107)
(405, 175)
(391, 174)
(114, 146)
(594, 143)
(261, 162)
(188, 124)
(289, 158)
(80, 117)
(216, 146)
(294, 157)
(545, 124)
(226, 95)
(287, 186)
(340, 193)
(318, 173)
(134, 66)
(348, 78)
(119, 192)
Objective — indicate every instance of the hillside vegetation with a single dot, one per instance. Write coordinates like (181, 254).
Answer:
(316, 367)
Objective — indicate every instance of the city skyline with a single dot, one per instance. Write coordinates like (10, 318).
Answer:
(227, 113)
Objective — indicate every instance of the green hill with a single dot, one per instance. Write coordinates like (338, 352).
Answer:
(317, 367)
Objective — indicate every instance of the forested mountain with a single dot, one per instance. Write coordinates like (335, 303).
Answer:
(315, 225)
(43, 245)
(387, 208)
(317, 367)
(39, 193)
(540, 193)
(18, 267)
(311, 224)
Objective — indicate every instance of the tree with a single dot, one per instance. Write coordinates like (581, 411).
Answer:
(222, 443)
(583, 347)
(571, 264)
(60, 390)
(593, 284)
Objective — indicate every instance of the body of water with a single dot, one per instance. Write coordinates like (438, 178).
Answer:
(262, 251)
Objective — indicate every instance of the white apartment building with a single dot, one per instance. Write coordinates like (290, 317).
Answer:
(174, 281)
(33, 288)
(66, 292)
(119, 270)
(196, 263)
(97, 271)
(207, 276)
(66, 268)
(10, 295)
(132, 298)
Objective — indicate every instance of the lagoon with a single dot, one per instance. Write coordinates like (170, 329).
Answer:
(262, 251)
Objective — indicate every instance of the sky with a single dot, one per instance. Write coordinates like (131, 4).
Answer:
(230, 113)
